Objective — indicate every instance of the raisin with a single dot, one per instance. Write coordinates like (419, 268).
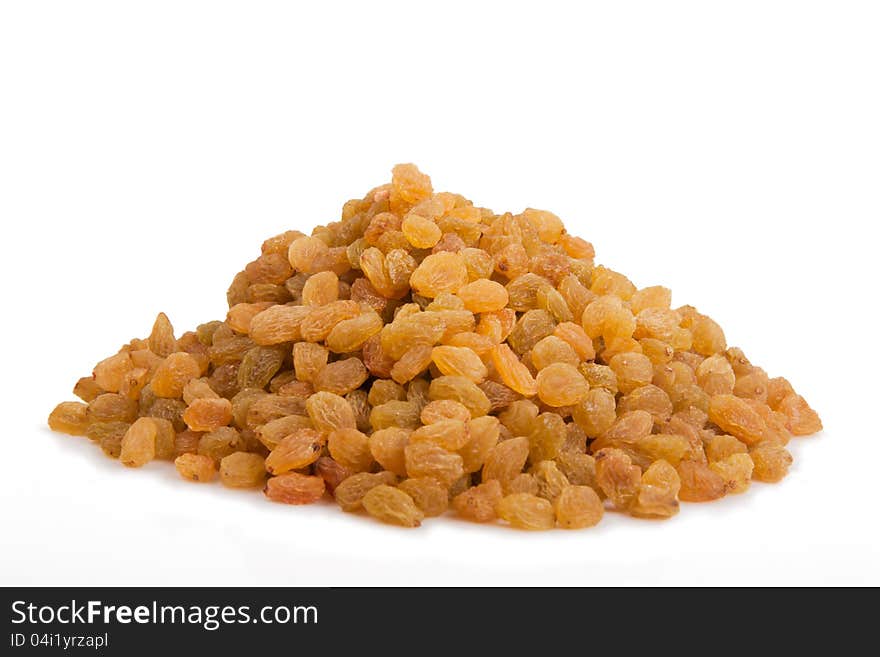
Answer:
(70, 417)
(483, 436)
(444, 409)
(560, 384)
(632, 371)
(595, 413)
(173, 374)
(329, 411)
(578, 468)
(506, 459)
(307, 253)
(429, 460)
(669, 447)
(166, 437)
(198, 389)
(716, 376)
(242, 470)
(112, 407)
(87, 389)
(459, 361)
(278, 324)
(98, 431)
(708, 336)
(392, 505)
(550, 479)
(548, 225)
(440, 272)
(321, 320)
(350, 492)
(777, 389)
(462, 390)
(409, 186)
(600, 376)
(422, 233)
(412, 363)
(220, 443)
(349, 335)
(299, 449)
(482, 295)
(651, 297)
(138, 445)
(523, 291)
(575, 439)
(658, 492)
(771, 462)
(358, 400)
(498, 394)
(512, 372)
(546, 437)
(737, 417)
(295, 488)
(648, 398)
(801, 420)
(341, 376)
(258, 367)
(578, 507)
(526, 511)
(269, 268)
(308, 359)
(161, 341)
(723, 446)
(617, 477)
(186, 442)
(387, 446)
(320, 289)
(700, 483)
(267, 407)
(350, 448)
(403, 414)
(553, 349)
(530, 329)
(427, 493)
(110, 373)
(208, 414)
(195, 467)
(417, 392)
(736, 470)
(383, 390)
(753, 385)
(240, 315)
(478, 503)
(524, 482)
(448, 434)
(331, 472)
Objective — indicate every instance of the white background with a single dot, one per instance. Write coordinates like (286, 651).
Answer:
(730, 151)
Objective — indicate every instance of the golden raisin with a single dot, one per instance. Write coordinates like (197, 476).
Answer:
(70, 417)
(578, 507)
(242, 470)
(560, 384)
(139, 443)
(295, 488)
(195, 467)
(392, 505)
(525, 511)
(479, 359)
(478, 503)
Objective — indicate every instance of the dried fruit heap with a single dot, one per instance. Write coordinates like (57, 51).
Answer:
(422, 353)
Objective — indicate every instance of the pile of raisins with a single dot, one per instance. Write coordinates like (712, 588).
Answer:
(423, 353)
